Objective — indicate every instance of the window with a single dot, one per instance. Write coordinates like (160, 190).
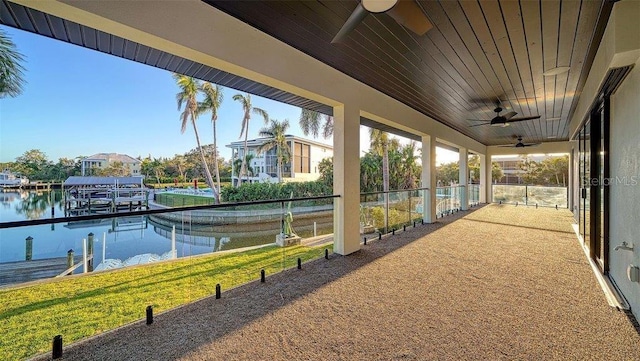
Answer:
(302, 157)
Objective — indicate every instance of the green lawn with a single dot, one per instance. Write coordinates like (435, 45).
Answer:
(182, 200)
(77, 307)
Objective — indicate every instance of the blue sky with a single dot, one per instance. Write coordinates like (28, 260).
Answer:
(79, 101)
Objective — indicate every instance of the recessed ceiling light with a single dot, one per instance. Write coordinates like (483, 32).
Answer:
(556, 71)
(551, 119)
(552, 137)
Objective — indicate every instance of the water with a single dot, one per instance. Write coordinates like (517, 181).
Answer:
(120, 238)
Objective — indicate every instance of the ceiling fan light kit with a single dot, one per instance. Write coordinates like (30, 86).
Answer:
(378, 6)
(407, 13)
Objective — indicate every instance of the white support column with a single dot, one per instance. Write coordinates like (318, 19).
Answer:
(346, 179)
(489, 185)
(464, 178)
(429, 178)
(484, 176)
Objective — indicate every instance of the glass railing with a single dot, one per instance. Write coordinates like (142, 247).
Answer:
(473, 194)
(92, 273)
(384, 212)
(531, 195)
(448, 200)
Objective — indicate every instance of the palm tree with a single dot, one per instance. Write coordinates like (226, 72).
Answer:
(245, 100)
(380, 145)
(409, 166)
(187, 95)
(310, 123)
(213, 97)
(237, 164)
(276, 133)
(11, 71)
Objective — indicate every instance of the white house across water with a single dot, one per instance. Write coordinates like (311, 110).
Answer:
(306, 155)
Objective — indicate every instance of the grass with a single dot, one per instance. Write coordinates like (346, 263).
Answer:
(182, 200)
(80, 306)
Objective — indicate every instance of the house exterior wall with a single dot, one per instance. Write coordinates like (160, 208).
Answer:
(624, 193)
(620, 46)
(89, 163)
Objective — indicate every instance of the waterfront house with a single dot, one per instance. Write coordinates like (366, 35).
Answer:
(306, 155)
(103, 160)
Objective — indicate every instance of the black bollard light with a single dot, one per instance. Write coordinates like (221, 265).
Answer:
(365, 241)
(404, 228)
(422, 220)
(414, 224)
(379, 236)
(56, 348)
(556, 207)
(536, 205)
(218, 295)
(299, 263)
(393, 231)
(262, 276)
(326, 253)
(149, 315)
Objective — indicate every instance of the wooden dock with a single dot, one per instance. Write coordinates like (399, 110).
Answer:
(26, 271)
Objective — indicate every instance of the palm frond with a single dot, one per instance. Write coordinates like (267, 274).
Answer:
(11, 70)
(263, 113)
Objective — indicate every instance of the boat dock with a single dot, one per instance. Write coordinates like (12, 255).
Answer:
(26, 271)
(104, 194)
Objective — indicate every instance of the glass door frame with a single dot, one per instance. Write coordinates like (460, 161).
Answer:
(593, 177)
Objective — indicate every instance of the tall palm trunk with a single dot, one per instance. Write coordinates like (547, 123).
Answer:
(207, 173)
(279, 166)
(215, 158)
(385, 167)
(243, 167)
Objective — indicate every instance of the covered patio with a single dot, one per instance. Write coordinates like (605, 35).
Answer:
(499, 282)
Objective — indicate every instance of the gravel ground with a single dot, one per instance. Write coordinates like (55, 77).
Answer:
(497, 283)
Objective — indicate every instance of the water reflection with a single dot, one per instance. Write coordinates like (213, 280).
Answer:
(32, 205)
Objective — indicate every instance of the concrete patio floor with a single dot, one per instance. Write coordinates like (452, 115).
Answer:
(496, 283)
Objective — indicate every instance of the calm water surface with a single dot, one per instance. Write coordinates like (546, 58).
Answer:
(120, 238)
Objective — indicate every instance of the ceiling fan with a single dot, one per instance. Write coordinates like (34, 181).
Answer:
(405, 12)
(520, 144)
(502, 120)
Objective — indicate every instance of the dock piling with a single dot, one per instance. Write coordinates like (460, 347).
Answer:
(29, 248)
(85, 269)
(70, 259)
(90, 251)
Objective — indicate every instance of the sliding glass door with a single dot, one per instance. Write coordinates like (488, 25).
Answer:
(593, 158)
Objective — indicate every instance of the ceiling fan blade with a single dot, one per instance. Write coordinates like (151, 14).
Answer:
(531, 144)
(409, 14)
(513, 120)
(356, 17)
(477, 125)
(479, 120)
(510, 115)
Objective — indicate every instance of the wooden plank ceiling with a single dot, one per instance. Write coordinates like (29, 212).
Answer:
(476, 52)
